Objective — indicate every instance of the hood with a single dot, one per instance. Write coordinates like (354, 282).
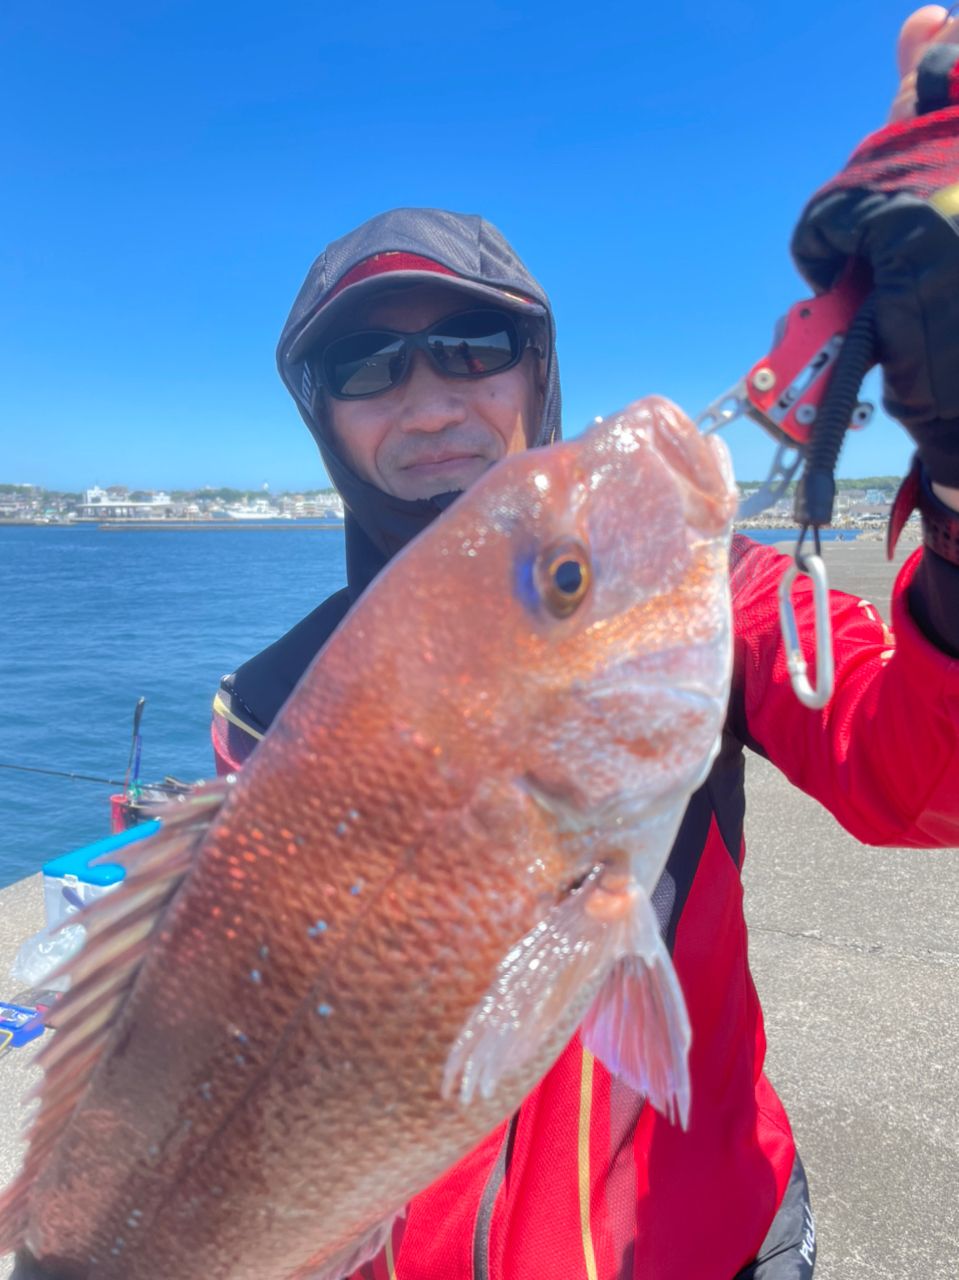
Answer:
(432, 245)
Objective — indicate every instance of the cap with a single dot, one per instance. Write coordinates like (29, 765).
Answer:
(367, 278)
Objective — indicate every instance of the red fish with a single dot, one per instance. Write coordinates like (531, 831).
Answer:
(325, 981)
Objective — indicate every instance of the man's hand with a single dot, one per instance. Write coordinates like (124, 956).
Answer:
(929, 25)
(896, 207)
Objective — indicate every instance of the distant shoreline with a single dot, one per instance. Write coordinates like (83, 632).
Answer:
(152, 526)
(216, 526)
(843, 534)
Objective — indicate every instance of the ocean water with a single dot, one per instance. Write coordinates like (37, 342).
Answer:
(92, 620)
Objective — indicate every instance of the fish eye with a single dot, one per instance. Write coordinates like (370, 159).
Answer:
(564, 577)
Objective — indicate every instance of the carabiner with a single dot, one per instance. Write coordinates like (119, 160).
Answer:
(817, 697)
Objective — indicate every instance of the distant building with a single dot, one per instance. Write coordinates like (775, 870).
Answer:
(877, 498)
(106, 504)
(14, 508)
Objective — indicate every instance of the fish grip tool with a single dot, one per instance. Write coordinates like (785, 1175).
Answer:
(815, 497)
(783, 392)
(816, 491)
(805, 394)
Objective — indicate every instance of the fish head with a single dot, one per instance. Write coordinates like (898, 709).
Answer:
(568, 618)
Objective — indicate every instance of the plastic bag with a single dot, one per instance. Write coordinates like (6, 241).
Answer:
(46, 951)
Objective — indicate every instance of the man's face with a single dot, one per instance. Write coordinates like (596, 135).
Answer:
(433, 434)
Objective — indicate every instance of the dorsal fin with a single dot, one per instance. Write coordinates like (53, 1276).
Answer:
(119, 927)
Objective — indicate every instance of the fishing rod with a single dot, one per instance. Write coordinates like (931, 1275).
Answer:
(62, 773)
(133, 762)
(88, 777)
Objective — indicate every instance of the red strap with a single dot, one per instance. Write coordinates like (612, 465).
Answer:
(904, 504)
(381, 263)
(940, 524)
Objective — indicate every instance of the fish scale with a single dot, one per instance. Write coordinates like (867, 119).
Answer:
(368, 948)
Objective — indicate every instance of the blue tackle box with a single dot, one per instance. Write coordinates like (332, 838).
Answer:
(70, 881)
(19, 1024)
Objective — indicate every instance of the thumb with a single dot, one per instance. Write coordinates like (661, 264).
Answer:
(919, 29)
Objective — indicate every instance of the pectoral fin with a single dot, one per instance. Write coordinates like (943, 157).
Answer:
(638, 1026)
(600, 946)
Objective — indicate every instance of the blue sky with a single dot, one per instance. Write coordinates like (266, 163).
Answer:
(170, 170)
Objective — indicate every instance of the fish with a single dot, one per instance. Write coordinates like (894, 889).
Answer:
(328, 977)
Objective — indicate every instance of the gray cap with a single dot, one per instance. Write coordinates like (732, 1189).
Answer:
(395, 270)
(404, 247)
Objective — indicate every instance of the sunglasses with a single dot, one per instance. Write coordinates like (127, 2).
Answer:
(470, 344)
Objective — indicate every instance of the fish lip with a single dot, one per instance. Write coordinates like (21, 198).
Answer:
(561, 804)
(575, 814)
(629, 681)
(701, 675)
(694, 691)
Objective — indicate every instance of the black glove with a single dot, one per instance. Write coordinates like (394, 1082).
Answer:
(896, 207)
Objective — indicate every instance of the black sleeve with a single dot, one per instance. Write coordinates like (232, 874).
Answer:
(934, 602)
(263, 683)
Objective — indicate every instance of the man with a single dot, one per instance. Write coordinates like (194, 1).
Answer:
(419, 351)
(398, 458)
